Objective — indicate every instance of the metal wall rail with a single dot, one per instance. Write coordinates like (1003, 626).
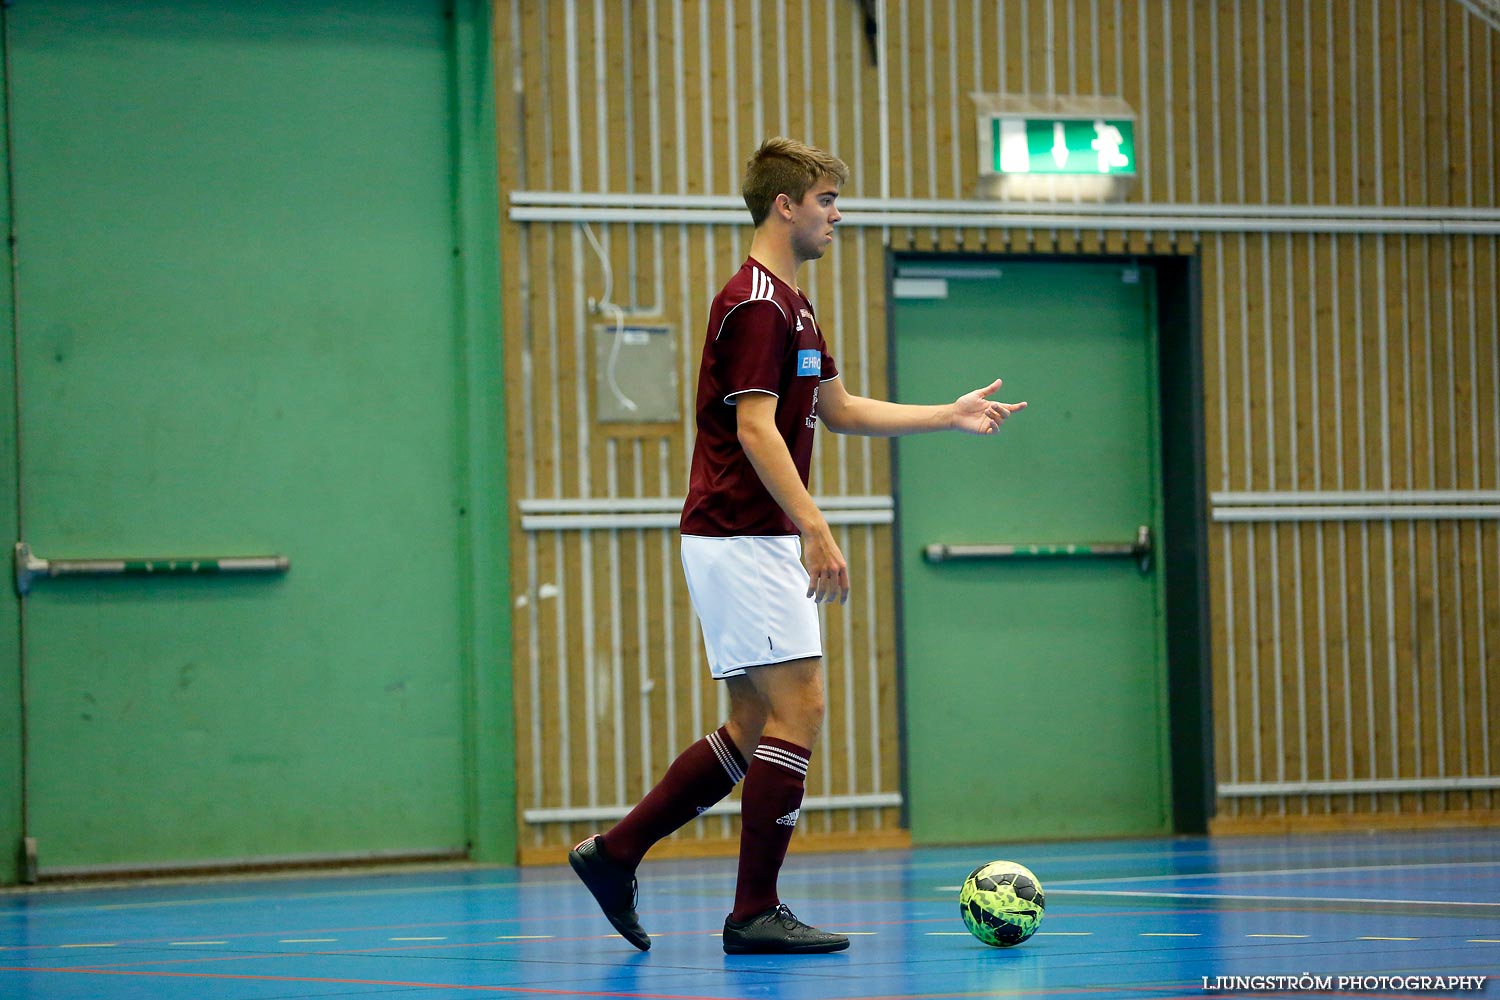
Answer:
(563, 206)
(665, 512)
(1269, 498)
(968, 207)
(812, 803)
(1369, 786)
(1379, 512)
(1356, 505)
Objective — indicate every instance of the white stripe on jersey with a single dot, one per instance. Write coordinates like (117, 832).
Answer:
(761, 290)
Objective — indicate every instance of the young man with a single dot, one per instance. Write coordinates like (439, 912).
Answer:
(748, 528)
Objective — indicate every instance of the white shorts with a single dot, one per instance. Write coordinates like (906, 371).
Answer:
(750, 594)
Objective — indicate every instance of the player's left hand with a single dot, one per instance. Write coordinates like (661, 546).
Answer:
(976, 413)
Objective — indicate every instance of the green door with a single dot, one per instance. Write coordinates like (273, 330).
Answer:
(237, 336)
(1034, 687)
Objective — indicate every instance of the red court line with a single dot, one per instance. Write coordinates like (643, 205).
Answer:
(256, 956)
(308, 931)
(435, 925)
(373, 982)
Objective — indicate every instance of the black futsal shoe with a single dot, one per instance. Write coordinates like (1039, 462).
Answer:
(614, 888)
(778, 932)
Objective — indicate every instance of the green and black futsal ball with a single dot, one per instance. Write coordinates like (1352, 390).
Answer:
(1002, 903)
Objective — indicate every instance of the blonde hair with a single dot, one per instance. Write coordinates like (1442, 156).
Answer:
(786, 166)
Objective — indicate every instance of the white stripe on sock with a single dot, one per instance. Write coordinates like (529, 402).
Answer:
(782, 758)
(726, 758)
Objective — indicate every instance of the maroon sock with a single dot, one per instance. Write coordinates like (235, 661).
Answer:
(700, 776)
(769, 807)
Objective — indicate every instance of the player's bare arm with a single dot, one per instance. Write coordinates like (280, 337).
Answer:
(973, 412)
(755, 419)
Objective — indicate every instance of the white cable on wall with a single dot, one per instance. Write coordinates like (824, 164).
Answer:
(606, 304)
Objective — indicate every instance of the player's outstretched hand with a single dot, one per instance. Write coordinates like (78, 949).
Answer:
(976, 413)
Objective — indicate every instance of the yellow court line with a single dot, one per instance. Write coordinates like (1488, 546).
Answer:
(88, 946)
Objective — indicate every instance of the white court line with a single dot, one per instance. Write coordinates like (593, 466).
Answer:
(1387, 939)
(88, 946)
(1135, 856)
(1265, 899)
(1167, 934)
(307, 941)
(1276, 935)
(419, 939)
(157, 904)
(1282, 871)
(186, 944)
(698, 876)
(524, 937)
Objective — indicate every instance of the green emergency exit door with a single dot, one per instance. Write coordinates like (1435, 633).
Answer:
(237, 306)
(1034, 668)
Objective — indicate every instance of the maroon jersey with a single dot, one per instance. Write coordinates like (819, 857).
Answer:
(762, 337)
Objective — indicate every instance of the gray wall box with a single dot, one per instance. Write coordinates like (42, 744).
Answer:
(635, 369)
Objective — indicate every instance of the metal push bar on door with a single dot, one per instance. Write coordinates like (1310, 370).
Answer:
(30, 567)
(1139, 550)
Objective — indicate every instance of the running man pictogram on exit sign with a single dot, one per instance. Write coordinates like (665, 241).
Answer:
(1063, 146)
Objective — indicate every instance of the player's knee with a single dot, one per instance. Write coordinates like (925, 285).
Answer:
(809, 706)
(805, 716)
(813, 707)
(745, 726)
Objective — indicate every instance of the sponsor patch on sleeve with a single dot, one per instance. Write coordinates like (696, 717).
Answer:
(809, 363)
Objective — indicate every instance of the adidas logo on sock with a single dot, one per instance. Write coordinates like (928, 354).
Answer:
(790, 819)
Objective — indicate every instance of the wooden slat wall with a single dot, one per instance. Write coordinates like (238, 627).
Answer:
(1348, 362)
(1358, 651)
(610, 677)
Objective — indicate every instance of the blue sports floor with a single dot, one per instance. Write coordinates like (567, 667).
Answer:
(1141, 919)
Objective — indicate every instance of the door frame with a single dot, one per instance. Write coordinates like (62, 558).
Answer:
(1184, 541)
(12, 670)
(485, 589)
(484, 545)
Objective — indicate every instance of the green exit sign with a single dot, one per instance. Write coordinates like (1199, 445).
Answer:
(1084, 146)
